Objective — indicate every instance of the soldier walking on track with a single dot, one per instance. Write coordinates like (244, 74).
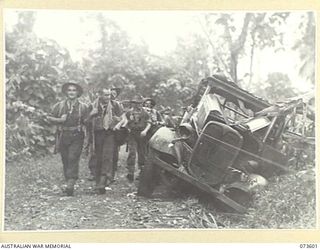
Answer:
(115, 94)
(105, 115)
(138, 123)
(70, 116)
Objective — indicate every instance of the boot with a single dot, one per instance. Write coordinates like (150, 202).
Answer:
(140, 169)
(91, 177)
(130, 177)
(70, 187)
(101, 187)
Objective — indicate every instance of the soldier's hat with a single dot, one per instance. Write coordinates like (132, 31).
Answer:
(117, 83)
(153, 102)
(66, 85)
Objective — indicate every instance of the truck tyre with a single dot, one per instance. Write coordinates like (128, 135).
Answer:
(149, 176)
(239, 196)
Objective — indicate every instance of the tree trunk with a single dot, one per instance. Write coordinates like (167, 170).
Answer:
(251, 56)
(238, 46)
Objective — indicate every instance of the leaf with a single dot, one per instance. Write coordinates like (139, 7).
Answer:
(38, 93)
(221, 20)
(57, 69)
(23, 122)
(18, 79)
(11, 56)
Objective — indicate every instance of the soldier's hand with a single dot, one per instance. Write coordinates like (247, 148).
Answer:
(143, 133)
(86, 149)
(63, 117)
(94, 112)
(47, 118)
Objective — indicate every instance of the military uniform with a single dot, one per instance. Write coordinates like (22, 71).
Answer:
(137, 122)
(70, 137)
(104, 141)
(155, 117)
(92, 156)
(116, 92)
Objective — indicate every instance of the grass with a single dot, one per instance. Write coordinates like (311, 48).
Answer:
(33, 201)
(288, 202)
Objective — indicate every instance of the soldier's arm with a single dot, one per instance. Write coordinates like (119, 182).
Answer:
(148, 126)
(120, 109)
(94, 109)
(56, 120)
(160, 119)
(86, 116)
(123, 122)
(145, 131)
(54, 117)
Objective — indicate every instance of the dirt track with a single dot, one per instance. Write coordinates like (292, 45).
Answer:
(34, 201)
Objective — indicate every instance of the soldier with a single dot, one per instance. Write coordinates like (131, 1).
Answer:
(138, 123)
(155, 116)
(90, 144)
(115, 94)
(70, 116)
(105, 115)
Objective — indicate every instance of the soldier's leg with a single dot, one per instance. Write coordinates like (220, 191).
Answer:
(64, 152)
(99, 139)
(75, 149)
(141, 148)
(131, 160)
(92, 164)
(90, 148)
(115, 161)
(108, 155)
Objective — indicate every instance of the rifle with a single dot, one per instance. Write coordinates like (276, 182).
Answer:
(58, 135)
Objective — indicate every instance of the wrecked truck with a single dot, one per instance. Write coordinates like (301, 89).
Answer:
(228, 143)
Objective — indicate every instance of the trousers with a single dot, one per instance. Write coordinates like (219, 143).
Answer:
(71, 144)
(93, 162)
(136, 146)
(115, 160)
(104, 153)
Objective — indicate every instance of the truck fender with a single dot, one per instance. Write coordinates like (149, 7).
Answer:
(162, 141)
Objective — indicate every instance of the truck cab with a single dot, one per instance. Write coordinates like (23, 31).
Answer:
(228, 143)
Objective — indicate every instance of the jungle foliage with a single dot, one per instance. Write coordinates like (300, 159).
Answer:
(37, 67)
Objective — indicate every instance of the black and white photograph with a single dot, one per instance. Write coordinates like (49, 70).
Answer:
(143, 120)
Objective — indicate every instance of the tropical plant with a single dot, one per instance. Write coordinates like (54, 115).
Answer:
(35, 69)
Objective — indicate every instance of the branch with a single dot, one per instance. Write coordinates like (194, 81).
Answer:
(239, 43)
(224, 66)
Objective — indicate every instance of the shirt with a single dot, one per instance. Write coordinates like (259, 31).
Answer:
(116, 112)
(137, 119)
(154, 115)
(76, 113)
